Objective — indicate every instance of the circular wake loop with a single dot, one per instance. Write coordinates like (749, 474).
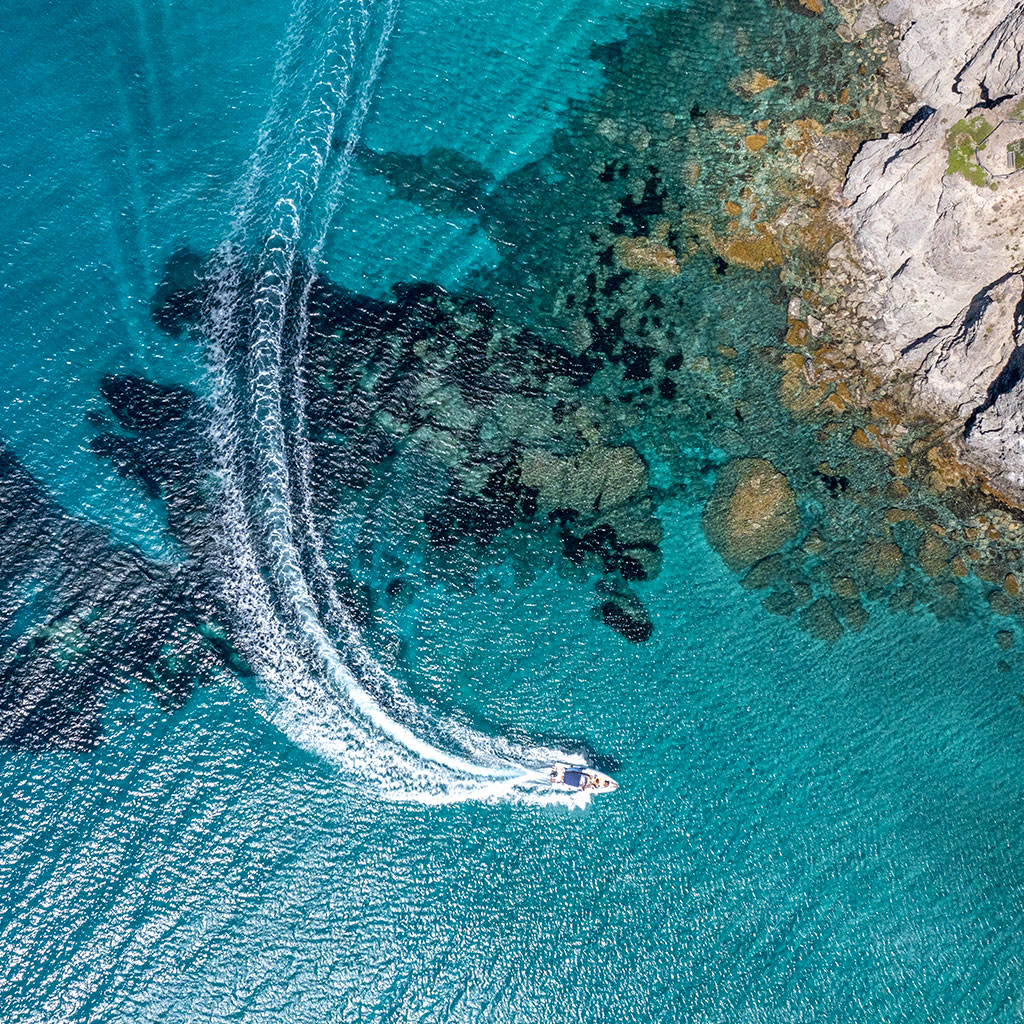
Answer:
(291, 624)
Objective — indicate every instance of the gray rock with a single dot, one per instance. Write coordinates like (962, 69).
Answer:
(996, 438)
(931, 241)
(996, 70)
(936, 252)
(956, 364)
(941, 37)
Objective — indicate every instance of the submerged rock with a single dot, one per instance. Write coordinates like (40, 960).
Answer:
(504, 417)
(624, 613)
(139, 404)
(751, 513)
(819, 619)
(781, 602)
(646, 256)
(595, 480)
(442, 180)
(752, 83)
(100, 617)
(178, 297)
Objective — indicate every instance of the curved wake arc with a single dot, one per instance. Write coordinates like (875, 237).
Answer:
(252, 321)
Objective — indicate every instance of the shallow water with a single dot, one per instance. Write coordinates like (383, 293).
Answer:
(288, 807)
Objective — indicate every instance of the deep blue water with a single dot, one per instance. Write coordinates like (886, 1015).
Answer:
(319, 814)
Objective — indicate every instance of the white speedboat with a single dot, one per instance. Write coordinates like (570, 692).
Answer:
(581, 779)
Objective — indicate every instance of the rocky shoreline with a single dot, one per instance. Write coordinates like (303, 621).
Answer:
(634, 344)
(927, 271)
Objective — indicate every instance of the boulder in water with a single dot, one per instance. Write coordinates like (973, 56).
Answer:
(819, 619)
(751, 83)
(751, 514)
(626, 615)
(646, 256)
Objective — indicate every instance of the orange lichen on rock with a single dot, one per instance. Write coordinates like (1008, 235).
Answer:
(948, 471)
(754, 250)
(815, 7)
(797, 334)
(800, 390)
(887, 412)
(752, 83)
(755, 143)
(808, 135)
(834, 403)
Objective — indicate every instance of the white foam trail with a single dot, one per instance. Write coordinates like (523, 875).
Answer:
(275, 278)
(315, 695)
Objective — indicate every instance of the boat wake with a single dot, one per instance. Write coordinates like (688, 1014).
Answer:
(322, 687)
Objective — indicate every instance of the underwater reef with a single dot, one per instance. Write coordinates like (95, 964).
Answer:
(667, 319)
(495, 424)
(719, 288)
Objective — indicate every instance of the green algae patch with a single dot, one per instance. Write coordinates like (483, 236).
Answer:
(963, 141)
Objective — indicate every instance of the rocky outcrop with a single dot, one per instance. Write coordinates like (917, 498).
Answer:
(953, 362)
(936, 232)
(933, 240)
(939, 39)
(996, 438)
(996, 71)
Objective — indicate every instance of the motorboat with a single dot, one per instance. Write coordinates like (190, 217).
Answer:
(581, 779)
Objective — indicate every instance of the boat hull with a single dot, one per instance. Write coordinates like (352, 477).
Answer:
(580, 779)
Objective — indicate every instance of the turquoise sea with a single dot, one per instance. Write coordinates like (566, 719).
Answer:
(353, 470)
